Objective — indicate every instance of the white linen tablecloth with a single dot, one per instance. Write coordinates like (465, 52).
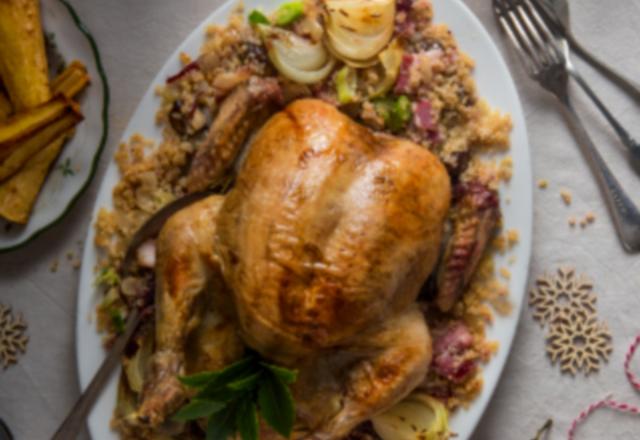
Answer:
(136, 37)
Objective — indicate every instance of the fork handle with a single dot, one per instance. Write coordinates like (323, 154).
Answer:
(628, 86)
(626, 216)
(632, 145)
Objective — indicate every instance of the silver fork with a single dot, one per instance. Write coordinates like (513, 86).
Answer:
(546, 64)
(632, 145)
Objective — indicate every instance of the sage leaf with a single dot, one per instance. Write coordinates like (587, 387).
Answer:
(197, 409)
(276, 404)
(246, 383)
(247, 419)
(221, 425)
(284, 374)
(198, 380)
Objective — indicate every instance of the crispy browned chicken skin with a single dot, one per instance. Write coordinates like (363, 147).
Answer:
(325, 240)
(324, 243)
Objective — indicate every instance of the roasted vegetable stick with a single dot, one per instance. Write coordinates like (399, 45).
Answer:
(74, 68)
(30, 146)
(72, 84)
(23, 61)
(18, 194)
(25, 123)
(5, 107)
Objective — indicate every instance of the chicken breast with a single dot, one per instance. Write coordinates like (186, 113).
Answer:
(330, 229)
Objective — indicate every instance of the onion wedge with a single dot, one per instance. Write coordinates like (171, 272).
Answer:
(295, 57)
(391, 59)
(417, 417)
(357, 30)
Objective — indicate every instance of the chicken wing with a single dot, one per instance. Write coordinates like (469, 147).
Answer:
(239, 114)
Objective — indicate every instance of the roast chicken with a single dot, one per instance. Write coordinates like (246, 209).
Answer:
(314, 259)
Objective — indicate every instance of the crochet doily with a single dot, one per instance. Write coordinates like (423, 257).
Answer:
(13, 340)
(555, 297)
(578, 344)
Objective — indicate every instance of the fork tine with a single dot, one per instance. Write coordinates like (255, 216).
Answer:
(543, 26)
(520, 34)
(502, 13)
(529, 31)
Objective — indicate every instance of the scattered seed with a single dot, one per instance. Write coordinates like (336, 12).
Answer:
(543, 183)
(590, 217)
(512, 237)
(506, 273)
(572, 222)
(566, 196)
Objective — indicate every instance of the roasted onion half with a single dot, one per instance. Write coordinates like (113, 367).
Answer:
(295, 57)
(417, 417)
(357, 30)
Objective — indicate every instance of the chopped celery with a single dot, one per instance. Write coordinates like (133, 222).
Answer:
(396, 113)
(117, 320)
(257, 17)
(346, 85)
(289, 12)
(107, 277)
(402, 110)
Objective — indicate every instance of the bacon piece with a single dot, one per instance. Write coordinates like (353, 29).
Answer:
(402, 83)
(451, 356)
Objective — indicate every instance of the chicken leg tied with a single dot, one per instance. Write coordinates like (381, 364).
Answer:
(392, 361)
(187, 274)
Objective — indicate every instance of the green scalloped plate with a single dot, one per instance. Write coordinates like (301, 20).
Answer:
(74, 169)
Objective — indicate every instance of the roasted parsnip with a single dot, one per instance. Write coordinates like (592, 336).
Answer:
(23, 124)
(72, 80)
(5, 107)
(23, 61)
(19, 193)
(27, 148)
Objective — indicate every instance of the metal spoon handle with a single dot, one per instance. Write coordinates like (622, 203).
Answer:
(628, 86)
(74, 422)
(623, 134)
(626, 216)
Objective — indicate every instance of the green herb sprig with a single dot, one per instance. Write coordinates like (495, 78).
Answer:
(65, 168)
(233, 398)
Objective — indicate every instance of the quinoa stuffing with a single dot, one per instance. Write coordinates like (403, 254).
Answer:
(420, 87)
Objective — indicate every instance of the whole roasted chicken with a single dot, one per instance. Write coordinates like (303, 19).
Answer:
(314, 259)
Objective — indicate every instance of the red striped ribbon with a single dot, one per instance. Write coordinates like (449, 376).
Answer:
(607, 401)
